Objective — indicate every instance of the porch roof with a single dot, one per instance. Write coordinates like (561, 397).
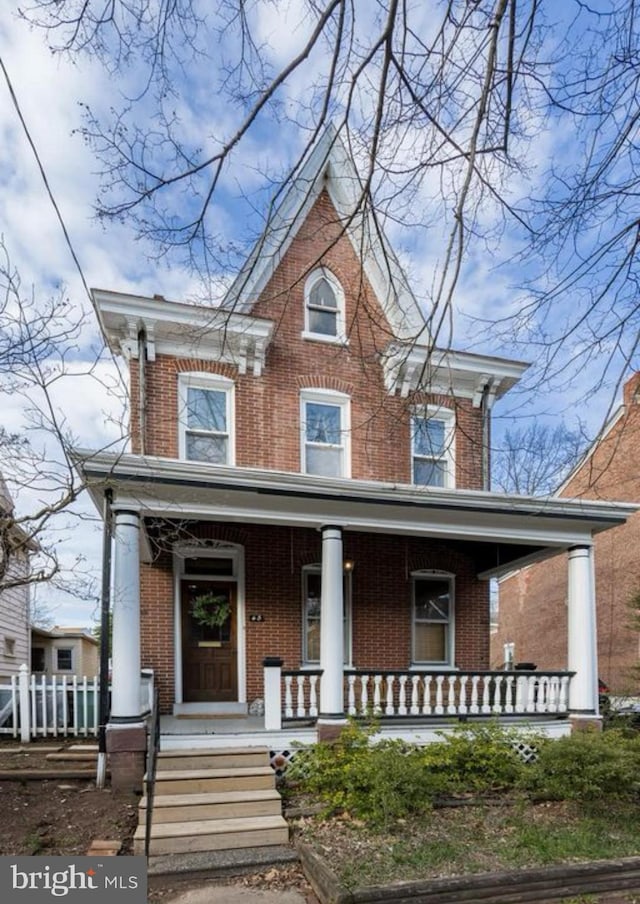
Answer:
(504, 531)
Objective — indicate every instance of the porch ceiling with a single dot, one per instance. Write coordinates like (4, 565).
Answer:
(499, 530)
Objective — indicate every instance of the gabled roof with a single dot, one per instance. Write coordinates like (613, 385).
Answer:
(632, 383)
(329, 166)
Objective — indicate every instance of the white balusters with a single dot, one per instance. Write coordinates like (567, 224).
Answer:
(563, 701)
(486, 684)
(439, 695)
(402, 696)
(415, 695)
(388, 694)
(288, 696)
(351, 695)
(389, 709)
(426, 700)
(451, 699)
(377, 695)
(301, 710)
(313, 695)
(364, 694)
(508, 697)
(497, 702)
(474, 709)
(462, 706)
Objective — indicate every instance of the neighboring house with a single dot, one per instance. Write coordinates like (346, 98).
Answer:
(308, 466)
(533, 601)
(64, 651)
(15, 551)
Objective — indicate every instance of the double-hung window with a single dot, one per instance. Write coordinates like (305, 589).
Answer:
(432, 605)
(324, 418)
(206, 419)
(323, 307)
(311, 596)
(64, 659)
(433, 447)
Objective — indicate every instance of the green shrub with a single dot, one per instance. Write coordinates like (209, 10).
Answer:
(479, 759)
(378, 783)
(586, 766)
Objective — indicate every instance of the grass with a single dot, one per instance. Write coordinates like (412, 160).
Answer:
(477, 839)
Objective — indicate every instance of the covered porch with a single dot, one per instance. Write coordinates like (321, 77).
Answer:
(466, 537)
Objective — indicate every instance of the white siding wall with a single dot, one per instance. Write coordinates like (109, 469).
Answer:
(14, 621)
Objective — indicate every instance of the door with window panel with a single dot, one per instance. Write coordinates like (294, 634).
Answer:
(209, 653)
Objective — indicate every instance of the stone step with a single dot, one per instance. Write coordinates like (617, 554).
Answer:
(212, 759)
(199, 781)
(223, 805)
(213, 835)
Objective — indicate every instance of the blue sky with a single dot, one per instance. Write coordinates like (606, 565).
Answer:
(51, 89)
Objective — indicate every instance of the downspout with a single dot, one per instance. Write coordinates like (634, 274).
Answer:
(486, 404)
(104, 639)
(142, 387)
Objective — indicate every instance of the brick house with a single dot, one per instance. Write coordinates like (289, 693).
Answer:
(304, 462)
(533, 601)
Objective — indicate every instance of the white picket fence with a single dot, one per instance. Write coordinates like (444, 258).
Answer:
(40, 706)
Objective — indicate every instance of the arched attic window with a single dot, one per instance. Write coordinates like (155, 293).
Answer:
(323, 307)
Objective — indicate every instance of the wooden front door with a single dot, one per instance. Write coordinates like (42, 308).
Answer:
(209, 654)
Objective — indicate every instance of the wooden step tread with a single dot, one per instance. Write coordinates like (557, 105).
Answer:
(229, 772)
(210, 797)
(211, 751)
(77, 757)
(213, 827)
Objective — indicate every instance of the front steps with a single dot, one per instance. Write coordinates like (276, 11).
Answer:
(212, 800)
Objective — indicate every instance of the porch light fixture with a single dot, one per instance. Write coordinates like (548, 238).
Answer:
(348, 565)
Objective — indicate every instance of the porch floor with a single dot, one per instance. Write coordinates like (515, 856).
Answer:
(249, 731)
(242, 731)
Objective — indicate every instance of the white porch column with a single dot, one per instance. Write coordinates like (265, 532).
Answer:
(582, 639)
(125, 657)
(331, 629)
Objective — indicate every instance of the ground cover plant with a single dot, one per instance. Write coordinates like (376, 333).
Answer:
(468, 803)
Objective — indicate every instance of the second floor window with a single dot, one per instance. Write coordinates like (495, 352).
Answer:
(432, 448)
(205, 420)
(324, 307)
(325, 434)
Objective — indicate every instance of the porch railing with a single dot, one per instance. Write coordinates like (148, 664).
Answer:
(295, 694)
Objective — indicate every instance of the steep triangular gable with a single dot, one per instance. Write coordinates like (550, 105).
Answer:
(329, 166)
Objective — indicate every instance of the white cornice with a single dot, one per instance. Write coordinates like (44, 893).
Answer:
(173, 488)
(189, 331)
(411, 367)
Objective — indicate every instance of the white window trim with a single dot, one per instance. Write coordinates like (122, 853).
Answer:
(316, 568)
(438, 413)
(433, 575)
(327, 397)
(58, 651)
(340, 338)
(214, 382)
